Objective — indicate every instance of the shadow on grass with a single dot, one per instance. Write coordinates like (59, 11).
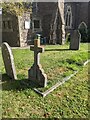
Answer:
(57, 49)
(16, 85)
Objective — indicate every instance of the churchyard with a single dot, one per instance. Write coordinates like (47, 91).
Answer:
(70, 100)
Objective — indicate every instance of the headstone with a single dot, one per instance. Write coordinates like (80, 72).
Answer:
(36, 73)
(8, 61)
(75, 40)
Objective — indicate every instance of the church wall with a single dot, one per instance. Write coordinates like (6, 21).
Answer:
(89, 22)
(24, 33)
(10, 30)
(44, 12)
(17, 35)
(47, 12)
(83, 14)
(89, 15)
(79, 14)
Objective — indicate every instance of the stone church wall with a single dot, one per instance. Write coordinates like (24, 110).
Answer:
(79, 14)
(10, 30)
(24, 33)
(52, 18)
(52, 25)
(14, 31)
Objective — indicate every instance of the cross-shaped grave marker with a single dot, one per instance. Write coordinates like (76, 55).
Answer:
(36, 73)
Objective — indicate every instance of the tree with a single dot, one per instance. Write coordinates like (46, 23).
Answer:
(17, 8)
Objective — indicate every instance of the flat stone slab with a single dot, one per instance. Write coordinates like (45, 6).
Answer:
(8, 61)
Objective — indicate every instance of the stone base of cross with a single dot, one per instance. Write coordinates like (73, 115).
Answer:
(41, 78)
(36, 73)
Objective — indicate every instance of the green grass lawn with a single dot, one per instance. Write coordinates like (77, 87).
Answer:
(67, 101)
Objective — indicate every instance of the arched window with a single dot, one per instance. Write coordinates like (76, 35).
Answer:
(68, 17)
(84, 31)
(82, 26)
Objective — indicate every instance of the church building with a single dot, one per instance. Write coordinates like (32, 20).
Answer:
(52, 20)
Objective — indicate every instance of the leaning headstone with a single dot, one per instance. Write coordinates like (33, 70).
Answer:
(8, 61)
(36, 73)
(75, 40)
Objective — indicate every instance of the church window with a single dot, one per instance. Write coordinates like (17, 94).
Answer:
(7, 25)
(4, 24)
(68, 17)
(36, 23)
(83, 31)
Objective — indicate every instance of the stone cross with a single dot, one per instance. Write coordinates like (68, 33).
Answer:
(8, 61)
(37, 50)
(36, 73)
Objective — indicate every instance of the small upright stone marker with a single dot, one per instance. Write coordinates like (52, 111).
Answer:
(75, 40)
(8, 61)
(36, 73)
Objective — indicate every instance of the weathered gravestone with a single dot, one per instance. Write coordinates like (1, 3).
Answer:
(36, 73)
(8, 61)
(75, 40)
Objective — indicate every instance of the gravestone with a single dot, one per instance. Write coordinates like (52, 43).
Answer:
(36, 73)
(75, 40)
(8, 61)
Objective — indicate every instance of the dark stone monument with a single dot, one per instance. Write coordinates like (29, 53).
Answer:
(75, 40)
(36, 73)
(8, 61)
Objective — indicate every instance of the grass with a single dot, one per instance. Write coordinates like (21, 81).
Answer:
(68, 101)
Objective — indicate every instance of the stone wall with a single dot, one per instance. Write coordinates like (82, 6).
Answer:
(89, 15)
(10, 29)
(89, 22)
(24, 33)
(44, 12)
(79, 14)
(61, 11)
(0, 29)
(52, 16)
(52, 23)
(13, 29)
